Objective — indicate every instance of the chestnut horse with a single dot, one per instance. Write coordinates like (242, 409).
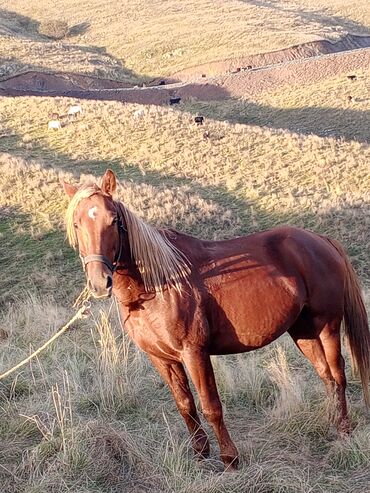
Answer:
(183, 299)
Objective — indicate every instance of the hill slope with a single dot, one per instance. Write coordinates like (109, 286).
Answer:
(91, 415)
(297, 156)
(140, 39)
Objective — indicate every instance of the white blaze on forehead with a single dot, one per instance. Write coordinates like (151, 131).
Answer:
(92, 212)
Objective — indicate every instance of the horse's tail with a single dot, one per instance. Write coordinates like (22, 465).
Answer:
(356, 325)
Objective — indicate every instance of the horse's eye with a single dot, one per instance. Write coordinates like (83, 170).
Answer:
(75, 225)
(115, 220)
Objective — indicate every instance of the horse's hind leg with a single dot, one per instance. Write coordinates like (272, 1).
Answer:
(322, 349)
(174, 375)
(314, 352)
(330, 340)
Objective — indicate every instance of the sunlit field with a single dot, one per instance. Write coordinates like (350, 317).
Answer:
(90, 414)
(139, 40)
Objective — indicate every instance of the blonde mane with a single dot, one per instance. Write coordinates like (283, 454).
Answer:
(82, 193)
(159, 262)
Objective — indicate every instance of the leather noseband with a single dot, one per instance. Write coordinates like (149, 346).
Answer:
(98, 258)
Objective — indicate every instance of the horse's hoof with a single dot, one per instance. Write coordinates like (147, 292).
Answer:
(231, 463)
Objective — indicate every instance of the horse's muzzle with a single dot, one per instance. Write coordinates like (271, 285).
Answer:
(99, 290)
(101, 296)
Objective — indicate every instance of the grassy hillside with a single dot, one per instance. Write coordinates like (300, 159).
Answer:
(300, 158)
(137, 38)
(91, 415)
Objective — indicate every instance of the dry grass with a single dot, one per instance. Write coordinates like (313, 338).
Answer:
(137, 38)
(277, 167)
(91, 415)
(96, 418)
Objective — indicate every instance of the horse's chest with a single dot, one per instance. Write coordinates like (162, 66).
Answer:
(151, 331)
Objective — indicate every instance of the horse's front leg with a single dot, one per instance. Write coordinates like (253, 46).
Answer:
(199, 365)
(174, 375)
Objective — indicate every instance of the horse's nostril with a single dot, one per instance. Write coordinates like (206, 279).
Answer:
(109, 282)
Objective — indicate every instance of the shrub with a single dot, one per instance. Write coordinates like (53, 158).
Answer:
(54, 29)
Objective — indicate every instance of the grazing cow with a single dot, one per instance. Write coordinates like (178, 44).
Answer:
(74, 110)
(54, 125)
(199, 120)
(352, 77)
(175, 100)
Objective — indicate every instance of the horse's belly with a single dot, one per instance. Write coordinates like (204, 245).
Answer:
(246, 316)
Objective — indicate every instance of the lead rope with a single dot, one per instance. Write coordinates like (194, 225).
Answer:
(83, 304)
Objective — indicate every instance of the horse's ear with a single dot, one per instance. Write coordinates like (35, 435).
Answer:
(69, 189)
(109, 182)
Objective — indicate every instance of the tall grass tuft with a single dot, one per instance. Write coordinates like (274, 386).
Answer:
(54, 29)
(117, 368)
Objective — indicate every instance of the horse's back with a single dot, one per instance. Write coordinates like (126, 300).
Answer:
(283, 252)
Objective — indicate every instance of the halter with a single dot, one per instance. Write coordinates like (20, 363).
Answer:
(102, 258)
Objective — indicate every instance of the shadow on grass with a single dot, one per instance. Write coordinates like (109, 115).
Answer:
(79, 29)
(17, 25)
(33, 260)
(349, 224)
(23, 27)
(350, 124)
(316, 17)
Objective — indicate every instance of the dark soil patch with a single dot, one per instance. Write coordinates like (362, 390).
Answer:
(63, 81)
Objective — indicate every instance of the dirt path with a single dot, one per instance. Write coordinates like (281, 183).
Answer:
(244, 84)
(298, 52)
(298, 72)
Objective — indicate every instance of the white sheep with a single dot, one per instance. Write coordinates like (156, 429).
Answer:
(54, 125)
(139, 114)
(74, 110)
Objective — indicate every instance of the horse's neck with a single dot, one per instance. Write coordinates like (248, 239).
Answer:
(128, 283)
(128, 286)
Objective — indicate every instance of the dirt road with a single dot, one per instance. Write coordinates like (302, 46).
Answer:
(242, 84)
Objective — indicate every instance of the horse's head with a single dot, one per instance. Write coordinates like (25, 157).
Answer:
(93, 224)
